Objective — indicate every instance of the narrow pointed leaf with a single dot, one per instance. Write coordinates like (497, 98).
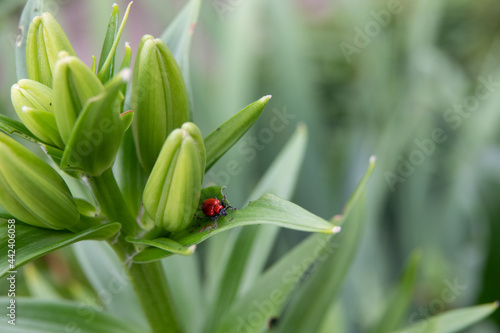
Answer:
(452, 321)
(33, 242)
(107, 275)
(225, 136)
(399, 303)
(270, 292)
(315, 292)
(110, 36)
(167, 245)
(184, 277)
(106, 70)
(269, 209)
(11, 126)
(36, 316)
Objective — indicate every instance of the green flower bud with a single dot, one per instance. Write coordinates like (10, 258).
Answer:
(98, 131)
(45, 40)
(159, 99)
(33, 104)
(32, 191)
(173, 189)
(74, 85)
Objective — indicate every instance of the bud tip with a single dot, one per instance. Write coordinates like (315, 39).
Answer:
(126, 74)
(336, 229)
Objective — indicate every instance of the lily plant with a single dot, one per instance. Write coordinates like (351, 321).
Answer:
(126, 136)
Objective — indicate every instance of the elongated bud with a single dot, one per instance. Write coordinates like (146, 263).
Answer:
(99, 130)
(33, 104)
(173, 189)
(45, 40)
(32, 191)
(159, 99)
(74, 85)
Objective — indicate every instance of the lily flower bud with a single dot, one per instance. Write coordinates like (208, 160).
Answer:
(74, 85)
(173, 189)
(32, 191)
(159, 99)
(45, 40)
(98, 131)
(33, 104)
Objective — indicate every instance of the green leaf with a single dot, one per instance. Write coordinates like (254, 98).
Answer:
(399, 303)
(269, 209)
(250, 248)
(167, 245)
(269, 293)
(178, 37)
(225, 136)
(33, 242)
(11, 126)
(32, 9)
(130, 174)
(452, 321)
(108, 277)
(34, 316)
(109, 39)
(183, 276)
(315, 292)
(106, 68)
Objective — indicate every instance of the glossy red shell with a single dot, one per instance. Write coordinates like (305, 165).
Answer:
(211, 206)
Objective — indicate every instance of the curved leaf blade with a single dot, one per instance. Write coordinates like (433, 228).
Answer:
(271, 291)
(226, 135)
(269, 209)
(34, 316)
(400, 301)
(11, 126)
(314, 291)
(106, 70)
(109, 280)
(167, 245)
(33, 242)
(452, 321)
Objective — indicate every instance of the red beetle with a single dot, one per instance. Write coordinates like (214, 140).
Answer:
(214, 208)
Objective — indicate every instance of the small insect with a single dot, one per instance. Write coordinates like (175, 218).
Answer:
(215, 208)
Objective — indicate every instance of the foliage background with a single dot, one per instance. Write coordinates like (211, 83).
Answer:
(396, 90)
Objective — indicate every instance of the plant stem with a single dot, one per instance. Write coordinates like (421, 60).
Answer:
(113, 205)
(152, 289)
(148, 280)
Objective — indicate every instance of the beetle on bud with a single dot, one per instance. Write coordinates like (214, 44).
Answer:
(173, 189)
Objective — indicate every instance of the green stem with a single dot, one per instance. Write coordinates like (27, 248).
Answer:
(148, 280)
(113, 205)
(152, 289)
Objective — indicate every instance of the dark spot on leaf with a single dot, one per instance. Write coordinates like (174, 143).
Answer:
(218, 129)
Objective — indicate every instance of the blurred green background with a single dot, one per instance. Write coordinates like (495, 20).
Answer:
(416, 83)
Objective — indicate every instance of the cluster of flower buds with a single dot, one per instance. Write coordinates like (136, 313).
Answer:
(70, 108)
